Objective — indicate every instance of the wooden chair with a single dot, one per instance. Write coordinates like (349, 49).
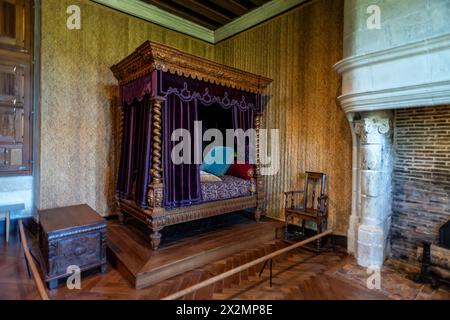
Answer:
(309, 204)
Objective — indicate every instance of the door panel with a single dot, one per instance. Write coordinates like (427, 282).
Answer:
(12, 84)
(11, 158)
(16, 91)
(15, 25)
(11, 125)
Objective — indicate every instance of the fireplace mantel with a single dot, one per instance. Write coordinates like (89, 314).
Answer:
(415, 74)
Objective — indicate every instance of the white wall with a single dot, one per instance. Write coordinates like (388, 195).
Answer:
(17, 190)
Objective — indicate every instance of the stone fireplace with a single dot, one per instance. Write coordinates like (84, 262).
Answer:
(401, 182)
(421, 178)
(396, 92)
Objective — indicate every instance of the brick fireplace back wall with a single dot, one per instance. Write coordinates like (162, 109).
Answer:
(421, 202)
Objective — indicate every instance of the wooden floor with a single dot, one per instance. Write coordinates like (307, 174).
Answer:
(130, 251)
(15, 284)
(299, 274)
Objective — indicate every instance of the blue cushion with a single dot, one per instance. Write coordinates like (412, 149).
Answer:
(216, 164)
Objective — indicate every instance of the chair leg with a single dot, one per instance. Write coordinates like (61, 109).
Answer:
(121, 218)
(319, 241)
(258, 212)
(303, 227)
(286, 224)
(333, 242)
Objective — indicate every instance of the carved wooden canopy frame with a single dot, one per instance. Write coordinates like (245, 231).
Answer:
(144, 61)
(151, 56)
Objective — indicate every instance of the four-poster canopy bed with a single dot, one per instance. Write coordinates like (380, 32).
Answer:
(163, 89)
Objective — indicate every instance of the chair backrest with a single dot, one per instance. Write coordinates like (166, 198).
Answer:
(314, 188)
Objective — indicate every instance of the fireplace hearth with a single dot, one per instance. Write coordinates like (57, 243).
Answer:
(444, 235)
(436, 260)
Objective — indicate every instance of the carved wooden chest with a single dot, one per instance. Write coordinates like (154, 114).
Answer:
(71, 236)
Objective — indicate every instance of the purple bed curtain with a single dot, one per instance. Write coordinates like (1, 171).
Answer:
(243, 119)
(135, 160)
(181, 181)
(125, 177)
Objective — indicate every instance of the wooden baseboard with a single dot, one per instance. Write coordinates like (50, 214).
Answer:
(340, 241)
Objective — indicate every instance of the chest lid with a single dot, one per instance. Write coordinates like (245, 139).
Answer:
(68, 220)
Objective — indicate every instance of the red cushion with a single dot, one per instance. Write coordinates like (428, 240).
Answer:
(244, 170)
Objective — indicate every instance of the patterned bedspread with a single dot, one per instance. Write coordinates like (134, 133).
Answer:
(229, 187)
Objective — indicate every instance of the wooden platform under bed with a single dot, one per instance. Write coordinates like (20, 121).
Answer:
(185, 247)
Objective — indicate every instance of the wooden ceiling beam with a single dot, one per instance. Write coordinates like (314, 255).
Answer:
(205, 11)
(163, 4)
(245, 3)
(169, 14)
(232, 6)
(259, 2)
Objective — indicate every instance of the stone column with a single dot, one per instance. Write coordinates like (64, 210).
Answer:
(374, 131)
(352, 234)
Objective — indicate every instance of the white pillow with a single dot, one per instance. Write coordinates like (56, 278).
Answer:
(208, 177)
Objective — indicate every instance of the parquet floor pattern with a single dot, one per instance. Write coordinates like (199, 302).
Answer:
(299, 274)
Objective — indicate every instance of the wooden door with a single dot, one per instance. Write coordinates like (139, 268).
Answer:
(15, 86)
(15, 25)
(14, 116)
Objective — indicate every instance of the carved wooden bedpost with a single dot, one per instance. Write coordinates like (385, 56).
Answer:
(155, 190)
(259, 179)
(121, 214)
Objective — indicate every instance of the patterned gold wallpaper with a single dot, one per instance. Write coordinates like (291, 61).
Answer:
(78, 140)
(79, 97)
(298, 50)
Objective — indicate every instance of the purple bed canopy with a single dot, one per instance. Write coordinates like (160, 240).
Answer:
(182, 98)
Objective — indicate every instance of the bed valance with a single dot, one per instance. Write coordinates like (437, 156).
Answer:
(136, 74)
(135, 91)
(188, 89)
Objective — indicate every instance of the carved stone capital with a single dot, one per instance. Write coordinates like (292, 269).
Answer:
(371, 130)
